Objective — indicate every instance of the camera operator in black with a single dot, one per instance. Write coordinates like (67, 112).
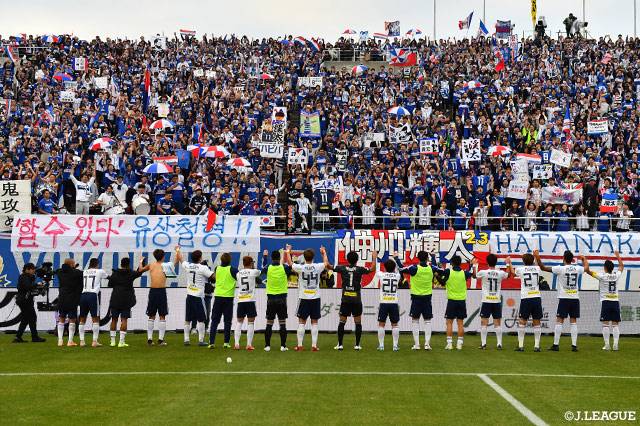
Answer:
(70, 284)
(27, 289)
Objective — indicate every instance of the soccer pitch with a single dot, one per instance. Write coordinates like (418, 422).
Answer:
(44, 384)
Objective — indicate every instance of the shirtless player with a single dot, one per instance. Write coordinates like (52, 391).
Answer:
(159, 271)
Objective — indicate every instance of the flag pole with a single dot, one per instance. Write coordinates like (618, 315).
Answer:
(484, 4)
(434, 20)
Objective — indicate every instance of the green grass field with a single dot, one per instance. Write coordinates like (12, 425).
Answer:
(195, 385)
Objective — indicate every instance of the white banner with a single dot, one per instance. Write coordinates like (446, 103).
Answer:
(342, 156)
(597, 127)
(310, 82)
(101, 82)
(596, 246)
(400, 134)
(429, 146)
(372, 138)
(67, 96)
(132, 233)
(163, 109)
(560, 158)
(542, 171)
(330, 304)
(198, 72)
(15, 198)
(271, 149)
(557, 195)
(518, 189)
(80, 64)
(471, 150)
(298, 156)
(520, 169)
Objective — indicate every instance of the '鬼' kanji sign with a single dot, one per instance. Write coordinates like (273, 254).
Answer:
(15, 198)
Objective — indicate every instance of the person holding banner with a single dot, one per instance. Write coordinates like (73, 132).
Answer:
(277, 289)
(197, 274)
(421, 290)
(492, 299)
(223, 297)
(567, 276)
(351, 303)
(530, 301)
(609, 298)
(455, 280)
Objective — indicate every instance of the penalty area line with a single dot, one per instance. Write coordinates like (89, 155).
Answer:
(301, 373)
(530, 415)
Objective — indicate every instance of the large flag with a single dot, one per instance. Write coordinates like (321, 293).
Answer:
(499, 59)
(466, 23)
(609, 203)
(392, 28)
(11, 53)
(187, 33)
(482, 29)
(300, 41)
(382, 36)
(402, 57)
(146, 91)
(534, 12)
(314, 45)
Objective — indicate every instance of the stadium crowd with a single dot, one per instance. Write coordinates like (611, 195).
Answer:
(522, 107)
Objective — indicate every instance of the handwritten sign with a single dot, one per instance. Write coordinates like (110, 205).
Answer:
(560, 158)
(597, 127)
(101, 82)
(429, 146)
(542, 171)
(298, 156)
(67, 96)
(15, 198)
(471, 150)
(163, 109)
(132, 233)
(271, 149)
(310, 82)
(80, 64)
(518, 189)
(198, 72)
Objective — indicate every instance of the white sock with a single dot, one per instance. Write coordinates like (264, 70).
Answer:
(498, 331)
(250, 329)
(557, 333)
(314, 335)
(616, 336)
(123, 335)
(537, 332)
(187, 330)
(415, 330)
(150, 324)
(112, 335)
(300, 334)
(60, 331)
(460, 340)
(427, 332)
(81, 332)
(395, 333)
(237, 333)
(72, 331)
(449, 340)
(96, 330)
(606, 332)
(521, 331)
(483, 335)
(200, 328)
(574, 334)
(162, 328)
(381, 336)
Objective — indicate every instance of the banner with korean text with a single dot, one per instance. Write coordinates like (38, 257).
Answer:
(55, 233)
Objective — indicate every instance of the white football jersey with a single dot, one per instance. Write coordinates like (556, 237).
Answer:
(491, 284)
(246, 279)
(567, 280)
(308, 279)
(608, 285)
(530, 278)
(92, 280)
(389, 282)
(197, 277)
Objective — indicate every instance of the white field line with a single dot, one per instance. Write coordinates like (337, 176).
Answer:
(530, 415)
(302, 373)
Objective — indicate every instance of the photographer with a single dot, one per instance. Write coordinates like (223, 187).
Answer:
(123, 298)
(27, 289)
(70, 282)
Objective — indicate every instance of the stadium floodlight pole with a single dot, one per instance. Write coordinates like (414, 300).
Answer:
(484, 4)
(583, 1)
(634, 19)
